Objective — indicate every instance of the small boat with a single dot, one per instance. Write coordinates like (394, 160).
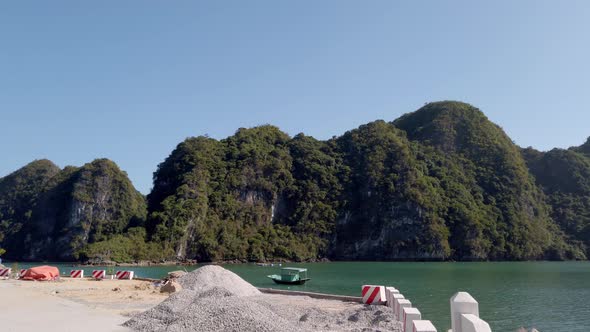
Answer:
(291, 276)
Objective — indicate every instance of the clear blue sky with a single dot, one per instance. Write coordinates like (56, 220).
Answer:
(129, 80)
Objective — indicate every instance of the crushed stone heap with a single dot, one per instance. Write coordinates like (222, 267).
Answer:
(215, 299)
(212, 276)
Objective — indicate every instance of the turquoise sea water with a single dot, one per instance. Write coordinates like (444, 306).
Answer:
(551, 296)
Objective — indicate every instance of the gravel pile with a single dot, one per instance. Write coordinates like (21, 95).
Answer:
(211, 276)
(356, 317)
(214, 299)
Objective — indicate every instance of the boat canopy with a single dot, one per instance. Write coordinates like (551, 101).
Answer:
(291, 275)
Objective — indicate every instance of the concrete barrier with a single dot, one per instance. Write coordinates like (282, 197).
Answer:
(396, 297)
(388, 292)
(373, 294)
(99, 274)
(5, 272)
(462, 303)
(423, 326)
(124, 275)
(77, 274)
(409, 316)
(401, 304)
(472, 323)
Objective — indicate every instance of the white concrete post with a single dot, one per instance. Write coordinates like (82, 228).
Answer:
(409, 316)
(401, 304)
(388, 292)
(396, 297)
(423, 326)
(462, 303)
(472, 323)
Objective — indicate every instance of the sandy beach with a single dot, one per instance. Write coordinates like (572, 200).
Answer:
(73, 304)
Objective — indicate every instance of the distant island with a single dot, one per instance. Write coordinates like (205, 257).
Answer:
(441, 183)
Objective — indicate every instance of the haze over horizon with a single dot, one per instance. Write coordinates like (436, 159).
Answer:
(82, 81)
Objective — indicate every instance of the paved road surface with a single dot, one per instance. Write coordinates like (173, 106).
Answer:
(26, 310)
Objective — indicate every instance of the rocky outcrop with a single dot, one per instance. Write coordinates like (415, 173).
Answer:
(382, 219)
(515, 215)
(171, 286)
(19, 192)
(71, 208)
(440, 183)
(564, 176)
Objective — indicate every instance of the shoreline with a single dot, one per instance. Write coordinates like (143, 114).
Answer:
(89, 305)
(8, 263)
(221, 263)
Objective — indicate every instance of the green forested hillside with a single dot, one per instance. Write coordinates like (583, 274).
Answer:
(229, 199)
(513, 217)
(440, 183)
(389, 201)
(564, 176)
(18, 194)
(584, 148)
(47, 213)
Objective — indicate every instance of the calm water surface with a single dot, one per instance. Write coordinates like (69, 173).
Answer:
(551, 296)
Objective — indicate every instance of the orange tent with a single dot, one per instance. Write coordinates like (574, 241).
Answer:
(43, 273)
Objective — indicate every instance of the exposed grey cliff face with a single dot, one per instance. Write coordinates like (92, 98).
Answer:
(392, 236)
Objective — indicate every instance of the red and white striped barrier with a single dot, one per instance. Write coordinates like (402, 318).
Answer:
(99, 274)
(22, 272)
(5, 272)
(124, 275)
(78, 274)
(423, 326)
(373, 294)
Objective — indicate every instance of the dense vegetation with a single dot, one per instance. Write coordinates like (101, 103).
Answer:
(564, 175)
(440, 183)
(228, 199)
(584, 148)
(18, 193)
(512, 219)
(48, 213)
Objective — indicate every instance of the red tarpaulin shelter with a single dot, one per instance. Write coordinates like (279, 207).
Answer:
(43, 273)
